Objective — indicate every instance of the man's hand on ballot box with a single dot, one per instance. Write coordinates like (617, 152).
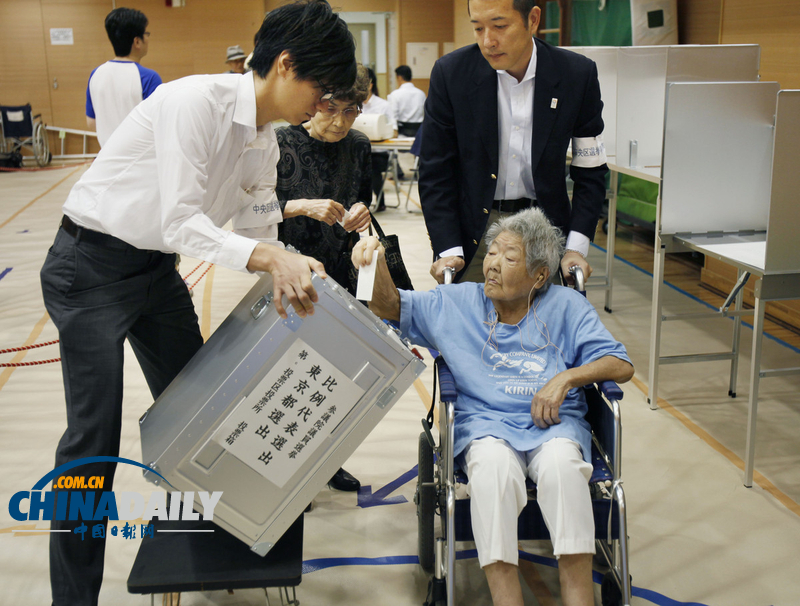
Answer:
(291, 276)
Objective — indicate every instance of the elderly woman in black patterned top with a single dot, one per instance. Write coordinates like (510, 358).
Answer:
(324, 187)
(324, 182)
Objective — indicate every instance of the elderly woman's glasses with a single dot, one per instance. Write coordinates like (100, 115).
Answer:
(349, 113)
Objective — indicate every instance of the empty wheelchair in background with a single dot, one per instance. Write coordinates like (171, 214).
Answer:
(438, 476)
(20, 128)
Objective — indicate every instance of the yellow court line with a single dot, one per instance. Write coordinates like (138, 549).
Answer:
(701, 433)
(37, 330)
(205, 322)
(39, 197)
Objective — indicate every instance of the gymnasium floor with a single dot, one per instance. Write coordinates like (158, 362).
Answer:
(697, 536)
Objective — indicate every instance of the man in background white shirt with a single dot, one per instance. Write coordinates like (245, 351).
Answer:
(197, 153)
(119, 85)
(408, 103)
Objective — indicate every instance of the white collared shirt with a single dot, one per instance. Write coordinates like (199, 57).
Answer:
(182, 164)
(408, 103)
(376, 105)
(515, 134)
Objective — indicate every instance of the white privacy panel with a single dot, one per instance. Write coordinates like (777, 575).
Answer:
(718, 140)
(783, 252)
(713, 63)
(642, 76)
(606, 59)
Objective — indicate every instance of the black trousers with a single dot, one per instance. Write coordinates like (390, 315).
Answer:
(380, 162)
(98, 292)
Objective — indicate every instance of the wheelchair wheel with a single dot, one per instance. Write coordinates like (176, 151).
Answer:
(41, 145)
(426, 505)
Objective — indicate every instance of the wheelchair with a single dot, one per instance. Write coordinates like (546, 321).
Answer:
(19, 128)
(436, 494)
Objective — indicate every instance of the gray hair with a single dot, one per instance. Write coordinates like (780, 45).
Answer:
(543, 242)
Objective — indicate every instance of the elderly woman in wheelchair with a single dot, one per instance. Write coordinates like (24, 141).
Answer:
(519, 349)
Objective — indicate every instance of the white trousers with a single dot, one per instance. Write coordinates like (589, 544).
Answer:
(497, 490)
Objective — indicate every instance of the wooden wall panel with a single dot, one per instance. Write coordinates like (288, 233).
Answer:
(343, 6)
(192, 39)
(184, 41)
(71, 65)
(775, 25)
(424, 21)
(23, 64)
(462, 28)
(699, 21)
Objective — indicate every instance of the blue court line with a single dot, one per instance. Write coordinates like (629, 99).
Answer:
(5, 271)
(694, 298)
(310, 566)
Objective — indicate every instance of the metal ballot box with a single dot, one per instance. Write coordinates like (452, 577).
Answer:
(269, 409)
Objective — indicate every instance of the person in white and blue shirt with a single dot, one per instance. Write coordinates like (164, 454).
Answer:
(119, 85)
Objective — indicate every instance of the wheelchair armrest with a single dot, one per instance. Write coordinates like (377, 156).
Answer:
(610, 390)
(447, 384)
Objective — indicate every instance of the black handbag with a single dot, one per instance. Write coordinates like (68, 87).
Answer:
(394, 259)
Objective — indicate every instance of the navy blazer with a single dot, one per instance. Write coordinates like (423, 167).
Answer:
(459, 155)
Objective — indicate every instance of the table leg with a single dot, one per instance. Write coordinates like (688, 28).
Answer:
(737, 329)
(755, 376)
(655, 321)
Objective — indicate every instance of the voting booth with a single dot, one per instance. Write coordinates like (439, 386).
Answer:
(643, 74)
(633, 84)
(729, 187)
(269, 409)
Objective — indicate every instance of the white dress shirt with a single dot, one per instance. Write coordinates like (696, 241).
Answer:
(515, 132)
(376, 105)
(182, 164)
(408, 103)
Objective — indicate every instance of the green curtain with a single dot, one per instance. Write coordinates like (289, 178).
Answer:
(593, 27)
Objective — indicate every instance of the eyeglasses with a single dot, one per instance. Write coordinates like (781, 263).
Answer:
(349, 113)
(327, 94)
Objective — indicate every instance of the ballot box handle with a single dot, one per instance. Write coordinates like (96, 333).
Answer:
(260, 306)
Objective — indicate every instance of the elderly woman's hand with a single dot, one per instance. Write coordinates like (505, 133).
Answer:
(359, 218)
(362, 251)
(547, 401)
(327, 211)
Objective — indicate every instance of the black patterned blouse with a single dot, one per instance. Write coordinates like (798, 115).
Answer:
(313, 169)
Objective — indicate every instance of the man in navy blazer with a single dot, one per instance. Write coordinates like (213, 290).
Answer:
(499, 118)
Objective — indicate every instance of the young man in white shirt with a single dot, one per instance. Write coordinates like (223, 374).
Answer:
(119, 85)
(408, 103)
(198, 152)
